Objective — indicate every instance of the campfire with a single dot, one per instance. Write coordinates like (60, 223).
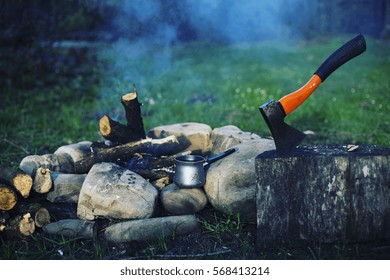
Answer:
(124, 185)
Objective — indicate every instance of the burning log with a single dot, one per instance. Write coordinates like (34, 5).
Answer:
(157, 147)
(19, 179)
(85, 159)
(152, 167)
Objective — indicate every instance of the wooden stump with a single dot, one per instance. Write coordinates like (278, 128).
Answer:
(323, 194)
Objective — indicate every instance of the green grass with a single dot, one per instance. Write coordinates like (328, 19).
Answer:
(201, 82)
(221, 85)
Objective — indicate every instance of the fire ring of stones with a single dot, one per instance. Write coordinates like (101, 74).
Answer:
(127, 180)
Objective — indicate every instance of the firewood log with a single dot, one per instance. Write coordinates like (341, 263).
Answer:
(65, 164)
(115, 131)
(42, 180)
(26, 225)
(152, 167)
(133, 115)
(157, 147)
(20, 180)
(41, 217)
(8, 196)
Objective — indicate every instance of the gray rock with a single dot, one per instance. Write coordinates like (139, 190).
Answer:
(151, 229)
(228, 136)
(66, 187)
(76, 151)
(115, 192)
(72, 228)
(231, 182)
(182, 201)
(197, 134)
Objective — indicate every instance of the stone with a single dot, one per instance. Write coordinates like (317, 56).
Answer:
(325, 194)
(197, 134)
(151, 229)
(66, 187)
(183, 201)
(76, 151)
(112, 191)
(62, 160)
(74, 228)
(231, 182)
(228, 136)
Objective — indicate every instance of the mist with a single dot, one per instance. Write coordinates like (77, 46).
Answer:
(232, 21)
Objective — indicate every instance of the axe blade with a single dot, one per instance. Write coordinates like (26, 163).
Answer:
(285, 136)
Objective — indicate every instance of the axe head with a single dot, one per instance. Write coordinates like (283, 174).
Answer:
(286, 137)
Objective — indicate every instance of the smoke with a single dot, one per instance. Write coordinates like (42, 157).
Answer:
(229, 21)
(148, 29)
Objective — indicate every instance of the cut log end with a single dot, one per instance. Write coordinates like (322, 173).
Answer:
(104, 126)
(42, 180)
(27, 225)
(42, 217)
(129, 97)
(8, 198)
(23, 184)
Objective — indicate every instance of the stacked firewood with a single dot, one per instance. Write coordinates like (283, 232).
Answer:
(26, 199)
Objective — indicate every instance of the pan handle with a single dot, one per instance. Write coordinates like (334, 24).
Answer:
(220, 156)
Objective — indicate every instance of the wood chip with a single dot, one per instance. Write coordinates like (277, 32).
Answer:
(351, 148)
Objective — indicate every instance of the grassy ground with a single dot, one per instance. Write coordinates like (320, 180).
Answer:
(58, 100)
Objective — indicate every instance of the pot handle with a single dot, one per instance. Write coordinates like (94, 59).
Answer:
(219, 156)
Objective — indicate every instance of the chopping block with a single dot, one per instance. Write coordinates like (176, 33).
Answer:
(325, 194)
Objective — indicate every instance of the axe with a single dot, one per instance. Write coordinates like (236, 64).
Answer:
(286, 137)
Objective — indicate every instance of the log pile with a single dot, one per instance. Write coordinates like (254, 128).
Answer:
(45, 188)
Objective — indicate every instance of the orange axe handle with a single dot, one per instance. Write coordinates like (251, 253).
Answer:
(293, 100)
(343, 54)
